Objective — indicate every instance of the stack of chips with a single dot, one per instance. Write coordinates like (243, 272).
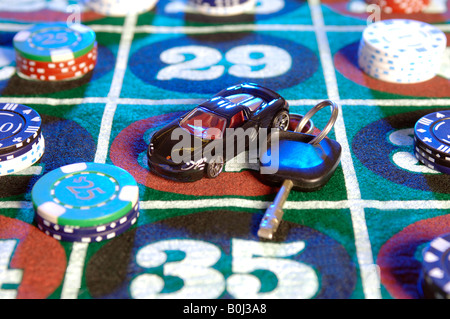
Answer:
(401, 51)
(435, 276)
(432, 141)
(55, 51)
(21, 140)
(120, 8)
(400, 6)
(221, 7)
(85, 202)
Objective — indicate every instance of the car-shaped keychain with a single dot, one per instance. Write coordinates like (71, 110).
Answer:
(201, 134)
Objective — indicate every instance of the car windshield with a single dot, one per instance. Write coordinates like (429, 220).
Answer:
(204, 124)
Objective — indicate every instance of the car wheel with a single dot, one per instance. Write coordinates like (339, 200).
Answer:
(214, 167)
(281, 121)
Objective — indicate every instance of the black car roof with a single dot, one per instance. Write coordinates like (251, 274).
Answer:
(251, 88)
(220, 105)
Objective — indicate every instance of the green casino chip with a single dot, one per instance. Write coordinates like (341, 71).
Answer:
(85, 194)
(54, 42)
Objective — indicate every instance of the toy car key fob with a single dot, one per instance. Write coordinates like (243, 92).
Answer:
(302, 161)
(309, 166)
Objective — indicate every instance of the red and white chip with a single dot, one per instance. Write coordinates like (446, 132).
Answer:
(56, 77)
(56, 71)
(401, 6)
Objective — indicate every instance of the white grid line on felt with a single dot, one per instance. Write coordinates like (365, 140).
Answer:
(370, 283)
(74, 273)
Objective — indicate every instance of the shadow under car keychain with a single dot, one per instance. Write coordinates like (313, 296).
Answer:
(304, 162)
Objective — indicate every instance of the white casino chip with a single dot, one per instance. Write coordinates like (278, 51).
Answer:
(120, 8)
(402, 51)
(402, 37)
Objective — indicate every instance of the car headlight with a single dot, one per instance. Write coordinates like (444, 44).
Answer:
(151, 149)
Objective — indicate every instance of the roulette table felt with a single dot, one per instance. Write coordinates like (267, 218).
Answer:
(359, 237)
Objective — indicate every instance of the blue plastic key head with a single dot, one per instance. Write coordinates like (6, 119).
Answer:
(293, 157)
(299, 161)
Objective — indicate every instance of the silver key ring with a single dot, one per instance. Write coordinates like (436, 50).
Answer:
(328, 127)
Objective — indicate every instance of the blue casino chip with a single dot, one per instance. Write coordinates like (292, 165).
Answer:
(78, 233)
(432, 132)
(25, 160)
(54, 42)
(91, 234)
(432, 157)
(20, 125)
(431, 162)
(373, 147)
(436, 268)
(21, 151)
(85, 194)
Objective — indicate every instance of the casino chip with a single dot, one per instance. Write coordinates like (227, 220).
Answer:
(21, 140)
(401, 51)
(432, 140)
(19, 163)
(71, 69)
(20, 125)
(90, 234)
(221, 7)
(436, 268)
(89, 231)
(431, 162)
(55, 51)
(120, 8)
(431, 157)
(86, 202)
(400, 6)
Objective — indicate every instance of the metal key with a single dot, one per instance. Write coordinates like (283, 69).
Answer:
(306, 163)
